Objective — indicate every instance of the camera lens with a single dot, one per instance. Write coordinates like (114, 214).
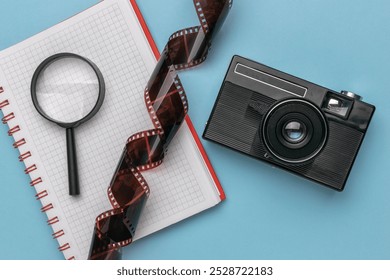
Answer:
(294, 131)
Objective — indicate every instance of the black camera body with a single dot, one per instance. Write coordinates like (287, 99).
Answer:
(294, 124)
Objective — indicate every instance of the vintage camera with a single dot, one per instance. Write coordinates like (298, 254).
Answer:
(299, 126)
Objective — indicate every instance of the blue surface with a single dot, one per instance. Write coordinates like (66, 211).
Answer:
(268, 214)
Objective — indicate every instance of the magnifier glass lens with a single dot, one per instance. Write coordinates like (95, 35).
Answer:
(67, 89)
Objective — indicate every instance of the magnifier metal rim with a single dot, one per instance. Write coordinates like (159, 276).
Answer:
(44, 65)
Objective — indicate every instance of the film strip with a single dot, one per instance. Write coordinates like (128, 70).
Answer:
(167, 106)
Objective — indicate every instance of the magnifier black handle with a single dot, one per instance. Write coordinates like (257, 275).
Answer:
(73, 174)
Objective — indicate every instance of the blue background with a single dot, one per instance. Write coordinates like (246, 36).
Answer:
(268, 214)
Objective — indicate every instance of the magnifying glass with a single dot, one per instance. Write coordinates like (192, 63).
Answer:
(68, 89)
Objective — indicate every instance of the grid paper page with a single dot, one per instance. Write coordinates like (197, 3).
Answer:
(109, 35)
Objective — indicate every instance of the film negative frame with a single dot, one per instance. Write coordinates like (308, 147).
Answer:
(167, 105)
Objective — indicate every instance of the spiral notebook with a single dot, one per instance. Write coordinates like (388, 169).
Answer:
(113, 35)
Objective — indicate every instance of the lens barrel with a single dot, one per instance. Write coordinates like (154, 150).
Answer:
(294, 131)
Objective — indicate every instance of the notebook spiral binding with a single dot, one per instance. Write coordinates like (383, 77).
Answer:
(13, 131)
